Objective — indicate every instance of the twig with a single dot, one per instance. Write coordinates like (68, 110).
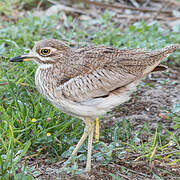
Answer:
(132, 17)
(167, 153)
(147, 17)
(142, 174)
(37, 175)
(124, 176)
(6, 83)
(123, 7)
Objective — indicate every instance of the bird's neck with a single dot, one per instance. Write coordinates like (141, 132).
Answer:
(45, 82)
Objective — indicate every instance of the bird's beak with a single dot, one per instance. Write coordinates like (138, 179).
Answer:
(26, 57)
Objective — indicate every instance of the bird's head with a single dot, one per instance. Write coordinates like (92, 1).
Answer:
(45, 53)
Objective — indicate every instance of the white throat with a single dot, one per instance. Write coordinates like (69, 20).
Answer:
(45, 66)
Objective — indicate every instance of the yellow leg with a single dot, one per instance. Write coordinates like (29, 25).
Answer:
(90, 140)
(88, 131)
(97, 130)
(84, 136)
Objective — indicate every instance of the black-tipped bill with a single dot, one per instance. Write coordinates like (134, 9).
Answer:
(20, 59)
(17, 59)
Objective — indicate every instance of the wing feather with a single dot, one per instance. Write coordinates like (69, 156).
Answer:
(97, 84)
(97, 71)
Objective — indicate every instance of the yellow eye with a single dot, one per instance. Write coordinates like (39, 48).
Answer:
(45, 52)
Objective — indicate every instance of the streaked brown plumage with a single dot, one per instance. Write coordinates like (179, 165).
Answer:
(88, 82)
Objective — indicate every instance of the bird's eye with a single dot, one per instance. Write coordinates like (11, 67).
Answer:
(45, 52)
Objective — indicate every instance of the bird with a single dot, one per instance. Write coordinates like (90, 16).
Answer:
(89, 81)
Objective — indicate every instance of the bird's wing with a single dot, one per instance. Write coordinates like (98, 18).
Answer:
(95, 85)
(102, 70)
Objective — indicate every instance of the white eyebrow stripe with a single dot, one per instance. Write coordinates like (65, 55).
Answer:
(45, 66)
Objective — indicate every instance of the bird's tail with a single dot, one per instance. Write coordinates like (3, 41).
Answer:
(166, 51)
(155, 57)
(171, 48)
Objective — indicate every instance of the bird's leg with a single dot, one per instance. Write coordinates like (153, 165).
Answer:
(81, 141)
(83, 138)
(90, 139)
(97, 130)
(88, 131)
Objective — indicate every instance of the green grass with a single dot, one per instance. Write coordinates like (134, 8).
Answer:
(20, 103)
